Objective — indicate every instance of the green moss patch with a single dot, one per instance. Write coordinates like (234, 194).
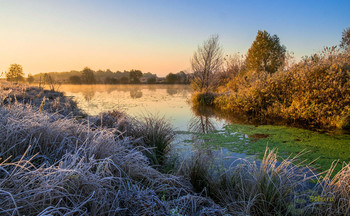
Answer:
(289, 141)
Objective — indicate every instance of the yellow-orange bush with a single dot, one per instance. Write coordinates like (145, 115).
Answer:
(316, 91)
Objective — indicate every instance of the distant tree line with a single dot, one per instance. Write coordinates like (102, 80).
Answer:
(89, 76)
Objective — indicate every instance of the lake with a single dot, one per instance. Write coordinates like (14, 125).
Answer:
(226, 134)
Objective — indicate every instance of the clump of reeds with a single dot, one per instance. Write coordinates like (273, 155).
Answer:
(151, 132)
(249, 188)
(118, 120)
(198, 169)
(156, 135)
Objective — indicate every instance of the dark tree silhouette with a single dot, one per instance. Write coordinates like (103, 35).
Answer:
(135, 76)
(15, 73)
(88, 76)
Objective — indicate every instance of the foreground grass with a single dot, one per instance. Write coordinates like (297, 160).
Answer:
(55, 165)
(270, 187)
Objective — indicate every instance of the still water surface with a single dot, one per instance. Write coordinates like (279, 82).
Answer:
(170, 101)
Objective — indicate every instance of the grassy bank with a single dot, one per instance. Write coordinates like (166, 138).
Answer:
(50, 101)
(57, 162)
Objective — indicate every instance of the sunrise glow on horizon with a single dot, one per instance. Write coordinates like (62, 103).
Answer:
(155, 36)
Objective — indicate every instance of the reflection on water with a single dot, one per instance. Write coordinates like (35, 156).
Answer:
(201, 124)
(202, 121)
(172, 91)
(135, 93)
(170, 101)
(88, 94)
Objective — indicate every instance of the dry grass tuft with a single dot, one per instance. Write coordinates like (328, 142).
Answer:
(332, 195)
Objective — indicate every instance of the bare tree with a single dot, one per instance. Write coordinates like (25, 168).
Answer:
(206, 62)
(52, 83)
(232, 66)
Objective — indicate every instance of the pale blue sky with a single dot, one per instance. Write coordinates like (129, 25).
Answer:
(156, 36)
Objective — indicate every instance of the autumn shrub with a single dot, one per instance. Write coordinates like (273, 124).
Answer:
(313, 92)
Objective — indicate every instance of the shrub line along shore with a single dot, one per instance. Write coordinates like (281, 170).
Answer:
(314, 93)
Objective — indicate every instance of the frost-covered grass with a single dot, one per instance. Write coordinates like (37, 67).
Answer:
(53, 164)
(269, 187)
(50, 101)
(151, 132)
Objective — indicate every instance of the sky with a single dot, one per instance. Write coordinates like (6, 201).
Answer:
(158, 36)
